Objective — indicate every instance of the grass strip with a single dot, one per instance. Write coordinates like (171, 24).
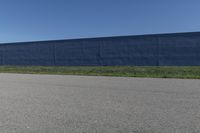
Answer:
(119, 71)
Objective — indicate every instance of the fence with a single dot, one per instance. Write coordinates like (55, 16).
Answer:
(181, 49)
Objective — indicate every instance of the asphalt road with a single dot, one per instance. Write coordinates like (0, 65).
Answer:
(81, 104)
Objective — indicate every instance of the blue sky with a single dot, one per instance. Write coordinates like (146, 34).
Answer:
(31, 20)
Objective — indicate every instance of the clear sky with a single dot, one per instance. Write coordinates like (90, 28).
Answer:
(31, 20)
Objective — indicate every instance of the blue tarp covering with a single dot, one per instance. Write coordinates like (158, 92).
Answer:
(180, 49)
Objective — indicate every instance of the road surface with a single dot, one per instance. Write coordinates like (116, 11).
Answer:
(83, 104)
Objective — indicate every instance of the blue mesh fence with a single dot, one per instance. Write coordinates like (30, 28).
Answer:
(181, 49)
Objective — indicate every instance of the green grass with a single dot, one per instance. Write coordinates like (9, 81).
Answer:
(122, 71)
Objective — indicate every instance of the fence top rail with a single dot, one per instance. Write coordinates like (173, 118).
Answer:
(183, 34)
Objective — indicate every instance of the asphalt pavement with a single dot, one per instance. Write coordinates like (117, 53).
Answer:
(89, 104)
